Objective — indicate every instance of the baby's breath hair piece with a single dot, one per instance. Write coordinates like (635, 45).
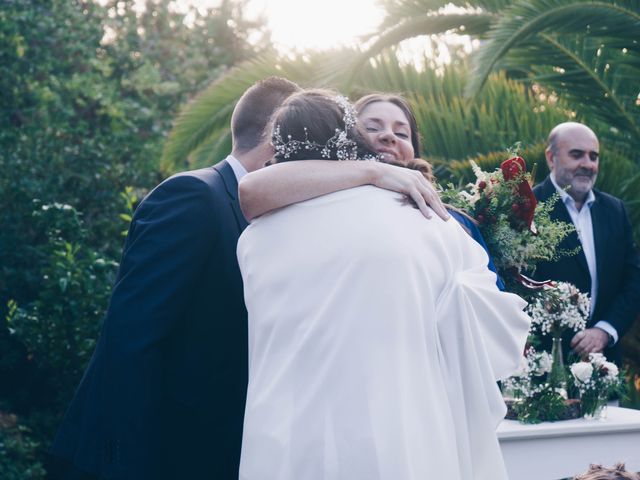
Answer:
(345, 148)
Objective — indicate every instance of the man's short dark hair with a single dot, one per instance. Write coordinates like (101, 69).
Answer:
(254, 109)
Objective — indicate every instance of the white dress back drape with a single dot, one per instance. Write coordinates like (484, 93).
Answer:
(375, 341)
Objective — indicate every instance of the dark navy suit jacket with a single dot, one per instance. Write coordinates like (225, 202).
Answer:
(617, 263)
(164, 394)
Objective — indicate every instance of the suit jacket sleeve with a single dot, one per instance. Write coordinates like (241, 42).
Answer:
(625, 306)
(170, 238)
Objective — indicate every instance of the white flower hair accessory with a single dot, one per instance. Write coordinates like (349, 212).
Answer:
(345, 148)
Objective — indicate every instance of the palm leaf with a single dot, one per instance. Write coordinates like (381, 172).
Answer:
(211, 111)
(598, 81)
(398, 11)
(423, 24)
(217, 146)
(524, 19)
(453, 127)
(202, 128)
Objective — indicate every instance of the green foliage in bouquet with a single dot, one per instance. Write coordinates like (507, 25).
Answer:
(522, 249)
(518, 230)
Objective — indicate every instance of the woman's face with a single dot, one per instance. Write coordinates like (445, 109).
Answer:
(389, 131)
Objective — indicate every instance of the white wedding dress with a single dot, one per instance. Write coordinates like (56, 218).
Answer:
(375, 341)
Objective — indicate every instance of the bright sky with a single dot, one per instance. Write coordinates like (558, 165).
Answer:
(313, 24)
(298, 25)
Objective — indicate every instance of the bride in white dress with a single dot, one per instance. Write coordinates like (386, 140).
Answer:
(375, 337)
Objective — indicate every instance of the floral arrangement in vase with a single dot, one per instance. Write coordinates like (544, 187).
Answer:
(596, 379)
(555, 308)
(529, 395)
(531, 375)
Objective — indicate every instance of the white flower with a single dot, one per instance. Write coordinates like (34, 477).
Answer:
(597, 359)
(562, 392)
(545, 361)
(559, 308)
(471, 199)
(612, 369)
(582, 371)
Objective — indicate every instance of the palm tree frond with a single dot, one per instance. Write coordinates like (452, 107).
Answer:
(397, 11)
(596, 79)
(210, 111)
(523, 20)
(425, 24)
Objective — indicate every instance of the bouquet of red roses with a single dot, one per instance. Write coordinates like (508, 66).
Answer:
(508, 194)
(516, 227)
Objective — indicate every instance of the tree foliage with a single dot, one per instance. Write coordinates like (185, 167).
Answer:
(585, 52)
(89, 91)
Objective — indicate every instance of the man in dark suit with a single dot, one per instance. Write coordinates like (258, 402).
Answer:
(164, 394)
(607, 266)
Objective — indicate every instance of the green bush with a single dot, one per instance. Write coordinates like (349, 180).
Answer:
(18, 451)
(89, 91)
(60, 326)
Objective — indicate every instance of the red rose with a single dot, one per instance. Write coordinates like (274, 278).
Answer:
(529, 207)
(513, 167)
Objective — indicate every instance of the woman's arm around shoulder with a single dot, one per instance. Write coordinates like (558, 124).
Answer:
(286, 183)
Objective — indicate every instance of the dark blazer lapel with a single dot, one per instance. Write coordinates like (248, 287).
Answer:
(544, 190)
(599, 222)
(231, 184)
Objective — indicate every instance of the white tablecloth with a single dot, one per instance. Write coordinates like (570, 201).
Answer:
(553, 450)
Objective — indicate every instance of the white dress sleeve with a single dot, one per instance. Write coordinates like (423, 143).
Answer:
(482, 332)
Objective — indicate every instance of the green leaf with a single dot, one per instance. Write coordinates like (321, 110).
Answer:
(522, 20)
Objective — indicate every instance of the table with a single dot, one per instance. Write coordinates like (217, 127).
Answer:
(554, 450)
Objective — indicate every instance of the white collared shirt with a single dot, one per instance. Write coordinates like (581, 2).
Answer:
(584, 227)
(238, 168)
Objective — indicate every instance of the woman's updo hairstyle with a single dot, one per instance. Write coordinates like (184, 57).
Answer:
(305, 126)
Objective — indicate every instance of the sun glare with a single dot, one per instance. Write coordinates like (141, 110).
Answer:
(298, 25)
(302, 25)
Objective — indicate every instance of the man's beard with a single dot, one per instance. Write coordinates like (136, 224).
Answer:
(583, 181)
